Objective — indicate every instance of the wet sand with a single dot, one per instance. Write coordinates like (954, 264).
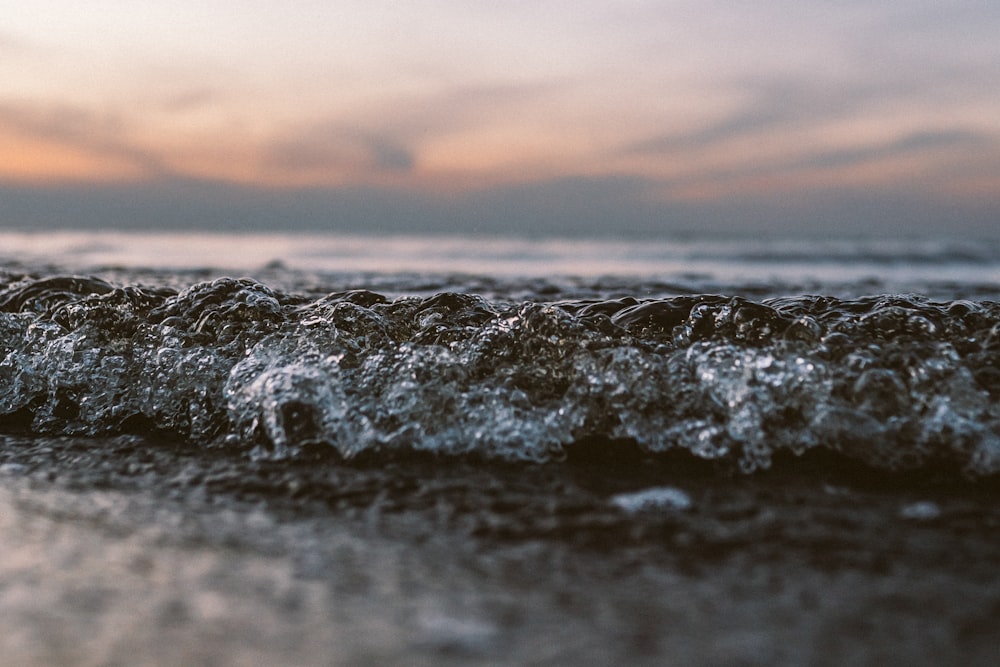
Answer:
(125, 552)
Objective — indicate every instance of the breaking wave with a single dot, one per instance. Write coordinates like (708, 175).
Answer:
(897, 382)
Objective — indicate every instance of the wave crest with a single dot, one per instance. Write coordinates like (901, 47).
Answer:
(894, 381)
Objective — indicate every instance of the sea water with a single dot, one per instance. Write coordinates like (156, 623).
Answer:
(884, 351)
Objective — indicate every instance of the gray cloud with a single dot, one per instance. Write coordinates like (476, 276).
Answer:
(869, 61)
(389, 156)
(773, 105)
(608, 206)
(971, 146)
(777, 106)
(384, 140)
(602, 206)
(459, 108)
(956, 22)
(911, 144)
(189, 99)
(334, 149)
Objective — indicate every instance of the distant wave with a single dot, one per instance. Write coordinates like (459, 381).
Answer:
(895, 262)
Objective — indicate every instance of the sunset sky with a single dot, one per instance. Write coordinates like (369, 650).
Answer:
(529, 117)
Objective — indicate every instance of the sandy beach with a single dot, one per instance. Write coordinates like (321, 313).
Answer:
(117, 553)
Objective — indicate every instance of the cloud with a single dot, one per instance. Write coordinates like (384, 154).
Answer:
(365, 144)
(596, 205)
(789, 132)
(385, 139)
(862, 63)
(100, 135)
(771, 105)
(332, 152)
(940, 159)
(592, 207)
(388, 156)
(914, 143)
(189, 99)
(604, 206)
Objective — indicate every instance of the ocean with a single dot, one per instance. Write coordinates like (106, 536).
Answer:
(323, 449)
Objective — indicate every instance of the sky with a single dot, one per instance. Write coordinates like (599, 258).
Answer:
(542, 117)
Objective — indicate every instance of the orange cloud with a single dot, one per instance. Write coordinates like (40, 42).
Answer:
(463, 138)
(27, 160)
(58, 142)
